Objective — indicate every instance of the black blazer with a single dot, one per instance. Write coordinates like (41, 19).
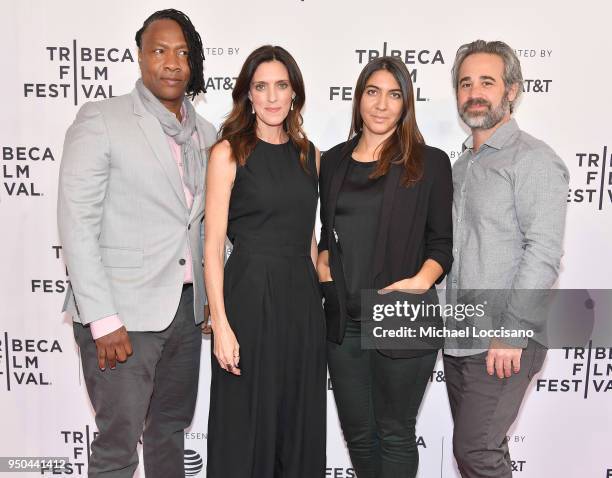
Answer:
(415, 225)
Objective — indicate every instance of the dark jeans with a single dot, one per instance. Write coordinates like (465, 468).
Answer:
(378, 399)
(483, 408)
(155, 389)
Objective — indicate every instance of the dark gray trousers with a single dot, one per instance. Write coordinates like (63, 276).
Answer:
(483, 408)
(155, 389)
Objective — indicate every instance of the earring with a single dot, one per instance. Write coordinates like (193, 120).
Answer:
(291, 105)
(252, 109)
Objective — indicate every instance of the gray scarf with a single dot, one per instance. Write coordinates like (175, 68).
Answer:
(181, 133)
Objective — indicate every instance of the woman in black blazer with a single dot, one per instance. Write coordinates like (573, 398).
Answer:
(386, 203)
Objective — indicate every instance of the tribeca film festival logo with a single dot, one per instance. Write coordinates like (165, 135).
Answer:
(340, 472)
(78, 444)
(51, 286)
(17, 163)
(591, 372)
(82, 72)
(20, 360)
(596, 189)
(409, 57)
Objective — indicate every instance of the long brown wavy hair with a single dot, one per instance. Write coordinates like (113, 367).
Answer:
(239, 126)
(404, 146)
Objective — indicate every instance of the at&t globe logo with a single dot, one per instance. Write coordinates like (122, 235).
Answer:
(193, 463)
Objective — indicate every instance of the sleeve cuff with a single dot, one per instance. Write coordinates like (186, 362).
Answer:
(101, 327)
(508, 322)
(443, 260)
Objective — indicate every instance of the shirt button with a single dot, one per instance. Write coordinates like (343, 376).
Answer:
(189, 227)
(182, 262)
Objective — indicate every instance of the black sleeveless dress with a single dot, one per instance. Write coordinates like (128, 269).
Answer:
(270, 422)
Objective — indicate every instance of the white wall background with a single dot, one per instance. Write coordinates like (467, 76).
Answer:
(565, 426)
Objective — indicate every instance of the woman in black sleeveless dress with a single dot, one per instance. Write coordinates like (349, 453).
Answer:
(268, 388)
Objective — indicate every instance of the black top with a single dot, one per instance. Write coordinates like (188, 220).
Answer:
(274, 199)
(415, 224)
(357, 213)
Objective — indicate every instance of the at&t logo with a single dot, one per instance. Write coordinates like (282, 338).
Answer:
(193, 463)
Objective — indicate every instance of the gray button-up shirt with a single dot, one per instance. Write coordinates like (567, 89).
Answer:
(509, 205)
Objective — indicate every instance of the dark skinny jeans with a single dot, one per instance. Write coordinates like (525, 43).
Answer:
(378, 399)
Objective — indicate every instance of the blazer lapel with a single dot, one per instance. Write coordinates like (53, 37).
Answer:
(156, 138)
(336, 184)
(391, 184)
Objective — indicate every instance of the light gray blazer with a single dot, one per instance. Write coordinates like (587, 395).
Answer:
(123, 219)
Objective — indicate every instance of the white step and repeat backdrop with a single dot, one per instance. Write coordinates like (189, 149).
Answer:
(58, 55)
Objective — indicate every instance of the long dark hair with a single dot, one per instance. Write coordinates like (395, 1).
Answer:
(194, 44)
(404, 146)
(239, 126)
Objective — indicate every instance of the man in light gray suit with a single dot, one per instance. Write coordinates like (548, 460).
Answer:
(130, 209)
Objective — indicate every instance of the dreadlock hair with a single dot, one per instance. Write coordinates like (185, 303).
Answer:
(194, 43)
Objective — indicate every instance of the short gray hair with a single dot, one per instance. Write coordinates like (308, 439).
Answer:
(512, 66)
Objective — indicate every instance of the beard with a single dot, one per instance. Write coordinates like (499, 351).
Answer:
(484, 119)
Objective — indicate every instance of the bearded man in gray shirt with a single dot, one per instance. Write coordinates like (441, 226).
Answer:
(509, 205)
